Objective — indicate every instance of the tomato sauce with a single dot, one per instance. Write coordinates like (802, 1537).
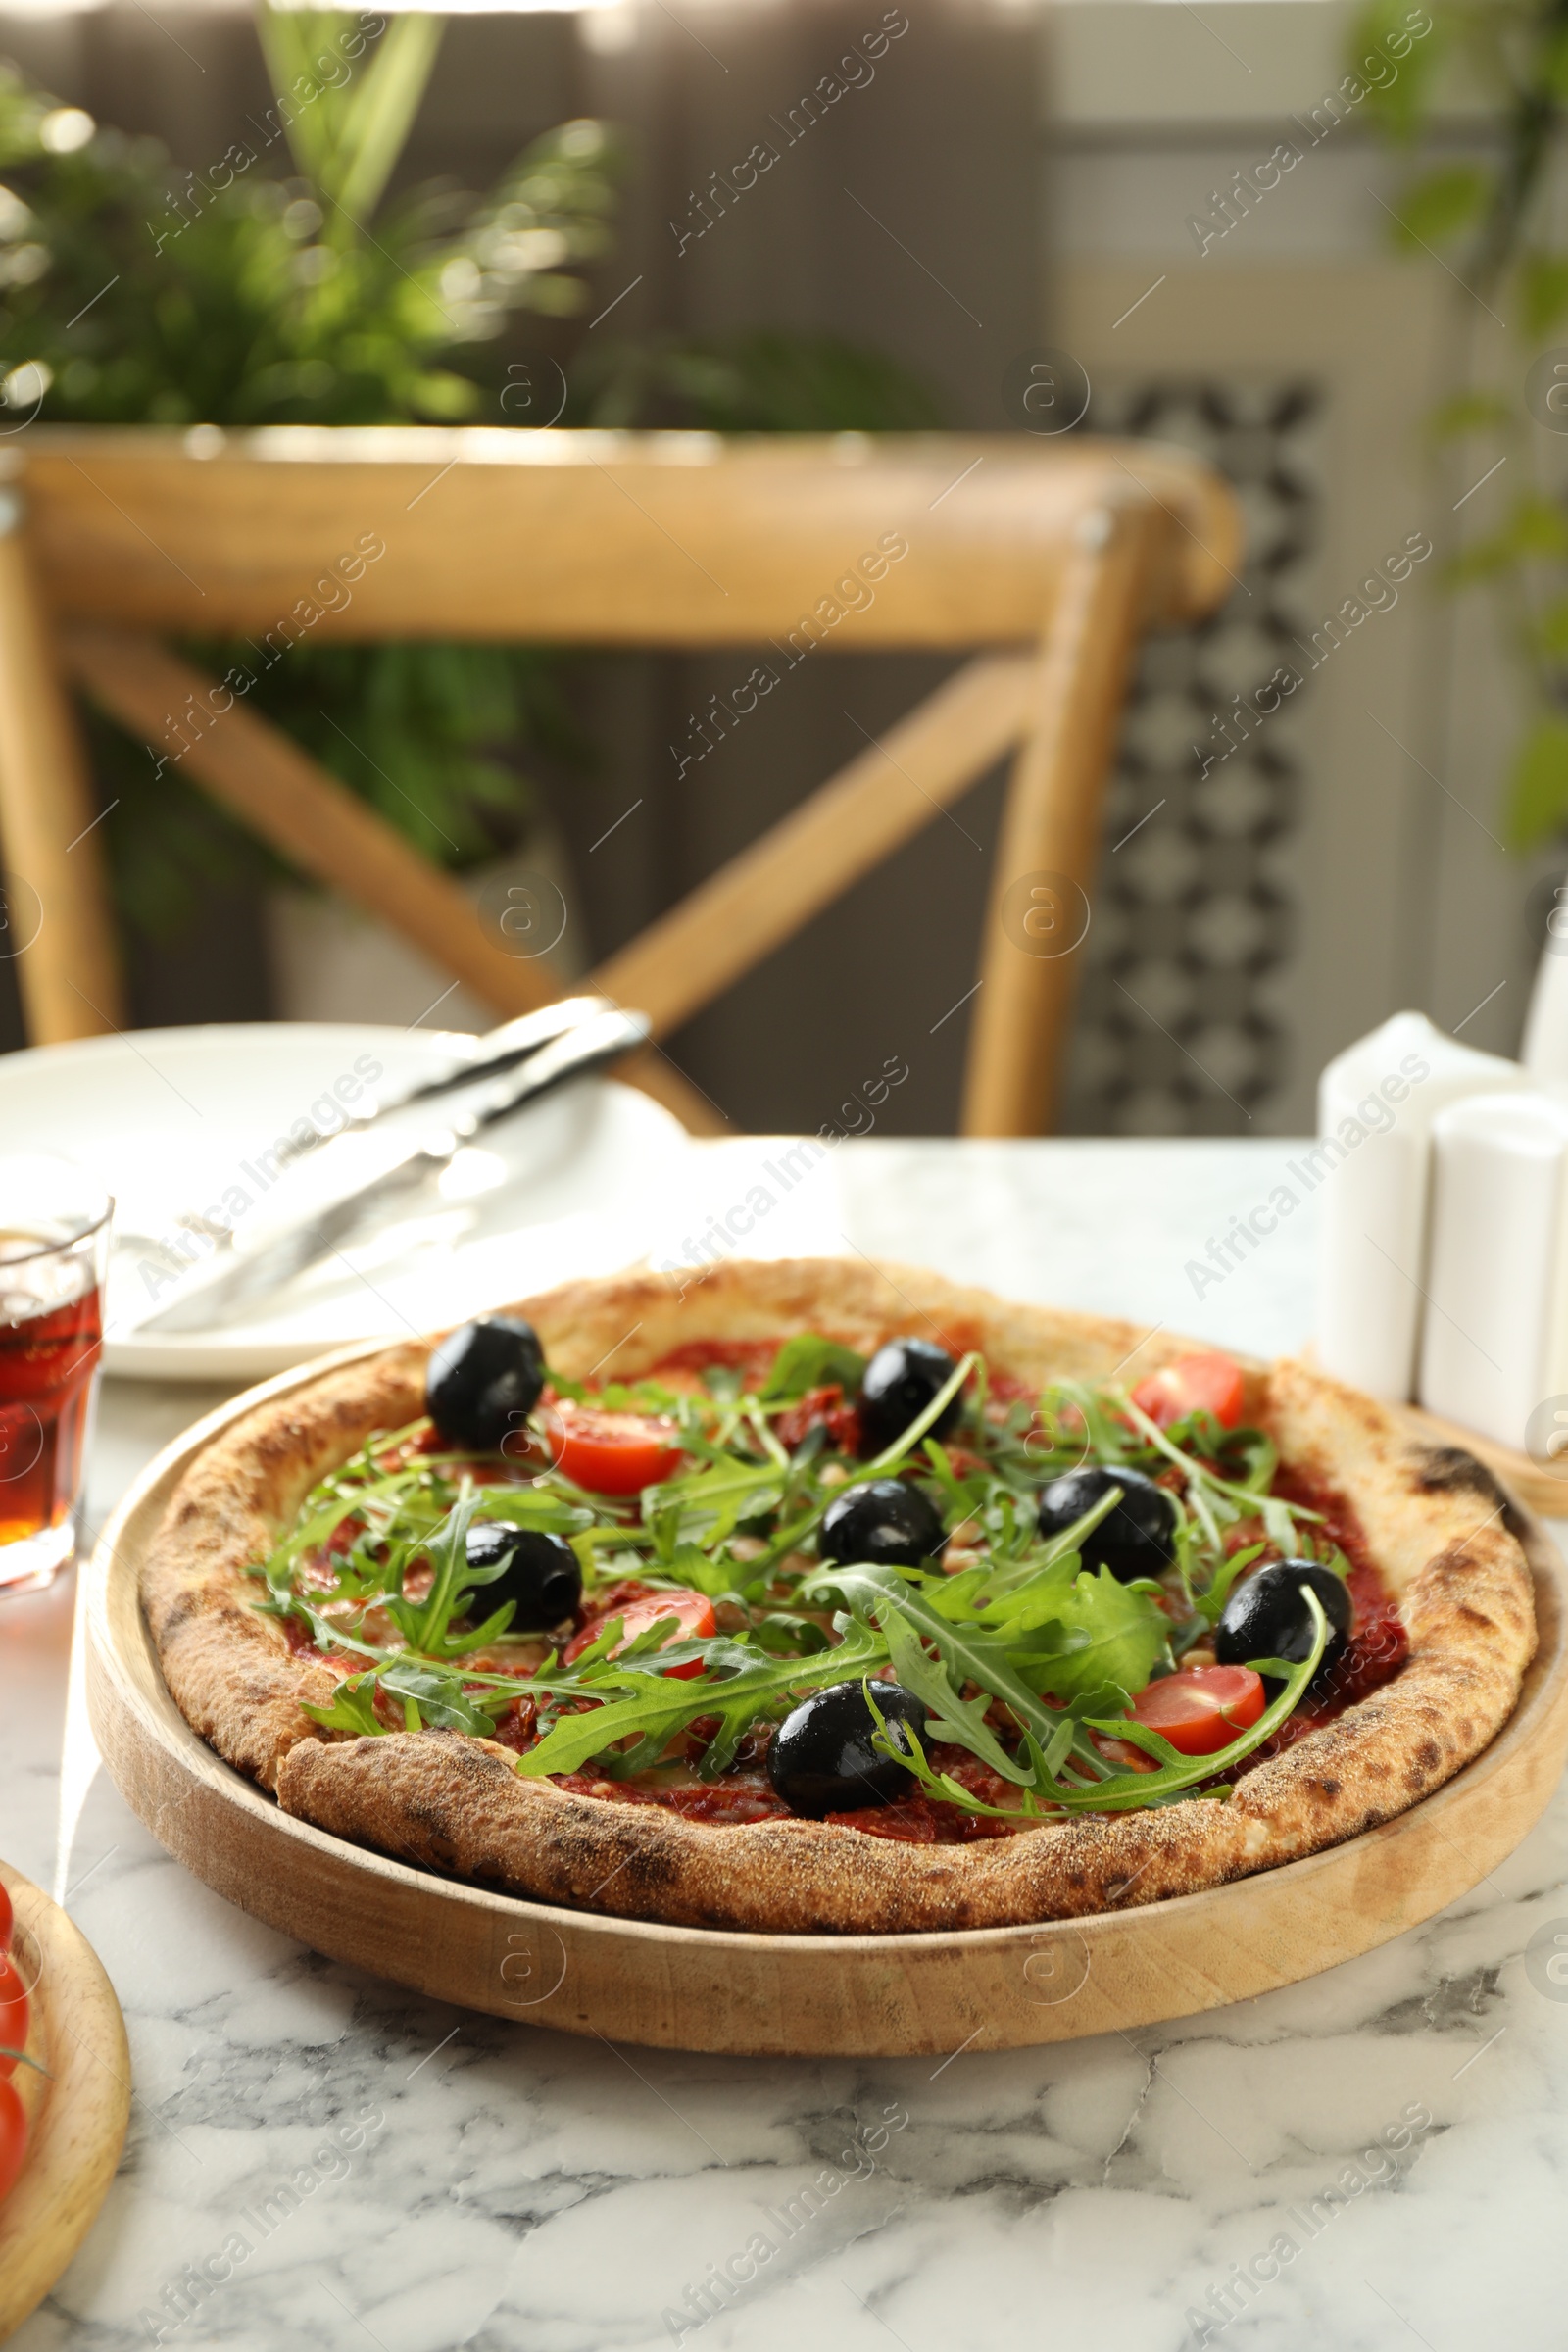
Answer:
(302, 1646)
(727, 1802)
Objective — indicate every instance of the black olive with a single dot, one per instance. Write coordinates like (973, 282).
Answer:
(1266, 1617)
(822, 1760)
(900, 1382)
(485, 1380)
(881, 1520)
(1138, 1538)
(540, 1574)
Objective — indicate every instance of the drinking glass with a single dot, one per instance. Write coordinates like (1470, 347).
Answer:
(54, 1242)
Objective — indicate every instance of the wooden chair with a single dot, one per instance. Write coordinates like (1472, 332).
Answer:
(1052, 555)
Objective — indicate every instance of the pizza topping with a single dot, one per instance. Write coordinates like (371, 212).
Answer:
(900, 1382)
(1266, 1617)
(609, 1454)
(1137, 1535)
(822, 1408)
(1194, 1384)
(484, 1380)
(1025, 1617)
(1371, 1657)
(665, 1616)
(831, 1754)
(1201, 1709)
(881, 1519)
(15, 2010)
(13, 2136)
(536, 1571)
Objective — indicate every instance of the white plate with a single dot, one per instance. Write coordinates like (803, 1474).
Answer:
(174, 1120)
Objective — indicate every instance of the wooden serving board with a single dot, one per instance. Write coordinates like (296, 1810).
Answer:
(77, 2111)
(861, 1995)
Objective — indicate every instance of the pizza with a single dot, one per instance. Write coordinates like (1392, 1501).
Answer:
(823, 1598)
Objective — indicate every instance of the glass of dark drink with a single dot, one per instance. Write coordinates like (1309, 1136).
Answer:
(54, 1240)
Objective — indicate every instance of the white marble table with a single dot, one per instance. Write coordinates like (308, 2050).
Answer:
(463, 2181)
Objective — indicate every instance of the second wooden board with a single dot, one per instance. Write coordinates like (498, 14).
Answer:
(76, 2097)
(692, 1989)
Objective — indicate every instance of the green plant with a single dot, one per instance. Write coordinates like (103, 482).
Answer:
(138, 293)
(282, 284)
(1497, 215)
(754, 382)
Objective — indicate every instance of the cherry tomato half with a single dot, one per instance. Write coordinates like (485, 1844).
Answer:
(13, 2137)
(15, 2010)
(5, 1921)
(1201, 1709)
(609, 1454)
(1209, 1384)
(694, 1617)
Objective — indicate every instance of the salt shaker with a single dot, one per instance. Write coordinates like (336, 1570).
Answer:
(1377, 1101)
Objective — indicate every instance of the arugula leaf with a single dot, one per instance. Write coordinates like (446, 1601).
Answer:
(971, 1655)
(351, 1709)
(1129, 1791)
(783, 1634)
(960, 1721)
(690, 1565)
(1110, 1633)
(1210, 1606)
(809, 1362)
(887, 1461)
(436, 1697)
(424, 1624)
(656, 1704)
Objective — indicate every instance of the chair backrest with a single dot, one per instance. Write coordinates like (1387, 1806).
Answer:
(656, 539)
(1069, 548)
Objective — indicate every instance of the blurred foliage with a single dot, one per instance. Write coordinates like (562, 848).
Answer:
(1498, 222)
(756, 382)
(282, 285)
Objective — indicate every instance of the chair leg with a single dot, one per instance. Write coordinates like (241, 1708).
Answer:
(286, 796)
(1050, 837)
(280, 793)
(55, 914)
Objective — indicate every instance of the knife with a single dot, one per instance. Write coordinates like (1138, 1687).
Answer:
(498, 1050)
(334, 1192)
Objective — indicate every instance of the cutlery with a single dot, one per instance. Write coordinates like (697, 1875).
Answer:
(498, 1051)
(335, 1192)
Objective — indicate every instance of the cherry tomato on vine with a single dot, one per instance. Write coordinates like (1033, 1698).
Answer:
(609, 1454)
(1209, 1384)
(694, 1617)
(13, 2137)
(15, 2010)
(1202, 1708)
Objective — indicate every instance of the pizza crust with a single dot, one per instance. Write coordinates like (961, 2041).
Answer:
(1441, 1529)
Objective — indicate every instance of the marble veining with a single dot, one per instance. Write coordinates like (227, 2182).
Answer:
(1374, 2157)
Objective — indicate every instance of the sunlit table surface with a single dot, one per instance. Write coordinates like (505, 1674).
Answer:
(460, 2181)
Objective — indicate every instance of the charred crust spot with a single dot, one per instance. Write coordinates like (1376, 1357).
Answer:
(179, 1611)
(1450, 1470)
